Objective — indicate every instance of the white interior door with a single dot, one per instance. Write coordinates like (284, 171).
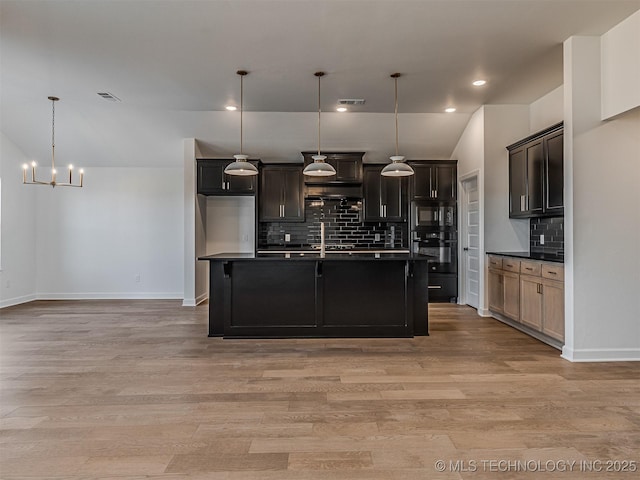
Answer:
(471, 242)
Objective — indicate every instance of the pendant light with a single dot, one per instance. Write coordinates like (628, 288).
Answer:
(53, 182)
(241, 166)
(319, 168)
(397, 167)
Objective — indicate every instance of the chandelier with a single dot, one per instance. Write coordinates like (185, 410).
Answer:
(53, 182)
(241, 165)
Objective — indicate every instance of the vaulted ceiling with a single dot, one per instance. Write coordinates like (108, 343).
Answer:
(173, 64)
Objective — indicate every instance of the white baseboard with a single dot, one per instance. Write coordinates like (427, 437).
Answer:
(192, 302)
(110, 296)
(601, 355)
(10, 302)
(483, 312)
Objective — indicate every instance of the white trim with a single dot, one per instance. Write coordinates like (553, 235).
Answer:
(193, 302)
(484, 313)
(110, 296)
(601, 354)
(478, 174)
(10, 302)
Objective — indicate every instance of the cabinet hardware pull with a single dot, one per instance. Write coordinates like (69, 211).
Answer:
(552, 273)
(434, 287)
(528, 268)
(522, 203)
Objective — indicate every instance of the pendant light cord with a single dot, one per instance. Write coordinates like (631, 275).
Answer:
(395, 77)
(241, 109)
(319, 75)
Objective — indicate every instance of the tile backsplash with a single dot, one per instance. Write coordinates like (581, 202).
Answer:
(343, 226)
(553, 230)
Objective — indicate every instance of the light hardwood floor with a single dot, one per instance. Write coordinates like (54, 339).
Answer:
(136, 390)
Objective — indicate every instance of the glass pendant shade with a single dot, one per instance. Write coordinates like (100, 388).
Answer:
(241, 167)
(319, 168)
(397, 168)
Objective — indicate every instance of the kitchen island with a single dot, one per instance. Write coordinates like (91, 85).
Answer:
(297, 295)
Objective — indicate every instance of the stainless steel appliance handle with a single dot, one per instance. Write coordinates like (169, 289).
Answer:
(434, 287)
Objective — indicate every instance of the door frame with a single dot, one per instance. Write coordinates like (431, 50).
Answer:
(462, 228)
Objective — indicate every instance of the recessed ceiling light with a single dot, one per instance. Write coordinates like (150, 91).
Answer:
(231, 108)
(450, 110)
(341, 109)
(479, 83)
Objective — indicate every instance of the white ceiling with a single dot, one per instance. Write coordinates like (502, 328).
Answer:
(172, 60)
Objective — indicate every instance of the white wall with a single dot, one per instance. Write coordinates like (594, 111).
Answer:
(94, 242)
(230, 224)
(602, 221)
(504, 124)
(18, 217)
(470, 148)
(547, 110)
(620, 57)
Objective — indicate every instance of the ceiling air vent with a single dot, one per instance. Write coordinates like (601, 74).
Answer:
(351, 101)
(109, 96)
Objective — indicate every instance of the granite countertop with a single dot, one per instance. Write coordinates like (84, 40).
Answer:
(545, 257)
(314, 256)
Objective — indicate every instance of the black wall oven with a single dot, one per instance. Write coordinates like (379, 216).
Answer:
(441, 245)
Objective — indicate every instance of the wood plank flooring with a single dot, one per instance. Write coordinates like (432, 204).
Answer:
(136, 390)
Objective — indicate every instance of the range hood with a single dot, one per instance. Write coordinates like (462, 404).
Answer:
(333, 191)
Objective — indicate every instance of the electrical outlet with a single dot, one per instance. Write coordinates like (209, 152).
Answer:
(245, 238)
(287, 237)
(377, 237)
(542, 239)
(137, 278)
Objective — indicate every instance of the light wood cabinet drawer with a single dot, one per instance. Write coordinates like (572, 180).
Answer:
(530, 268)
(553, 272)
(495, 262)
(511, 265)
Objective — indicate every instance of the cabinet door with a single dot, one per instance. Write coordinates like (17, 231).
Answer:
(517, 183)
(554, 176)
(511, 283)
(372, 201)
(421, 182)
(271, 194)
(393, 200)
(534, 153)
(211, 177)
(348, 170)
(443, 181)
(531, 302)
(293, 197)
(496, 291)
(553, 309)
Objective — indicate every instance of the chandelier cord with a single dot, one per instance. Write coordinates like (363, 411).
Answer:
(53, 134)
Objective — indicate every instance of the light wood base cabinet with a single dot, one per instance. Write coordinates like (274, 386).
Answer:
(528, 292)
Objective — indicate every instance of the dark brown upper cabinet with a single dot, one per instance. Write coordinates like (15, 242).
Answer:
(536, 181)
(213, 181)
(348, 167)
(434, 180)
(281, 193)
(385, 198)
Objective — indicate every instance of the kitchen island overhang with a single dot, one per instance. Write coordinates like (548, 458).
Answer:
(306, 295)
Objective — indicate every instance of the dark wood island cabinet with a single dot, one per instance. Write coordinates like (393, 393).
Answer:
(306, 295)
